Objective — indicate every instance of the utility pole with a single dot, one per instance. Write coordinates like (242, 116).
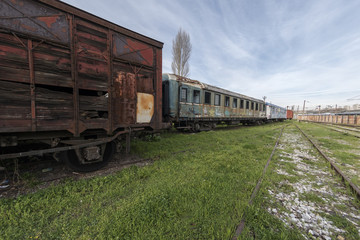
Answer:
(304, 107)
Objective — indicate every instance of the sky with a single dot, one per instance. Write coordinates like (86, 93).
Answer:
(289, 51)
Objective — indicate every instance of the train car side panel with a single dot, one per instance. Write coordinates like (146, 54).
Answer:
(65, 73)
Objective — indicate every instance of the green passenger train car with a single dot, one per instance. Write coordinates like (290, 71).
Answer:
(191, 104)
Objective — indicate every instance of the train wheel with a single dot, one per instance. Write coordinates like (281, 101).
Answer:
(196, 127)
(213, 125)
(89, 159)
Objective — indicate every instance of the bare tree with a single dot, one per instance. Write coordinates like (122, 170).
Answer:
(181, 54)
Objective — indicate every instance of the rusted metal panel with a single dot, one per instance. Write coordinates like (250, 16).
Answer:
(124, 97)
(31, 17)
(133, 51)
(157, 78)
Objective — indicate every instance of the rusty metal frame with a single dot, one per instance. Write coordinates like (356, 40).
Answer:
(32, 84)
(74, 75)
(61, 149)
(110, 80)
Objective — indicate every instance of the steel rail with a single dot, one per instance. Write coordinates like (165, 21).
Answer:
(344, 131)
(353, 187)
(241, 225)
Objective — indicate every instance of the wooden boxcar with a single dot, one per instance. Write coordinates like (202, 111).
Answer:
(74, 81)
(191, 104)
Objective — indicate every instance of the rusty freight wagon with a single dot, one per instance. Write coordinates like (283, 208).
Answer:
(74, 82)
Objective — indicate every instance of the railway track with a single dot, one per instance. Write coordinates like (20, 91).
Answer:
(353, 187)
(346, 180)
(347, 130)
(241, 225)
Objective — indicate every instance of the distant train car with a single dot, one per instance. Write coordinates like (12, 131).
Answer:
(191, 104)
(275, 113)
(289, 114)
(346, 118)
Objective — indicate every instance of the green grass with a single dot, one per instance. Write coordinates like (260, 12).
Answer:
(197, 188)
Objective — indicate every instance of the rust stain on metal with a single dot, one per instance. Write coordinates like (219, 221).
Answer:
(28, 27)
(49, 21)
(21, 3)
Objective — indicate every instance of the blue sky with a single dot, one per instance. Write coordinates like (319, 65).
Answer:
(288, 51)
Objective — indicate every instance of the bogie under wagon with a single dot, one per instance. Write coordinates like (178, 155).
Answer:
(74, 82)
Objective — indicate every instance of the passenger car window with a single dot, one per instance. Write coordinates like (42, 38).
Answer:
(227, 101)
(183, 95)
(247, 104)
(241, 103)
(217, 99)
(235, 101)
(196, 96)
(207, 98)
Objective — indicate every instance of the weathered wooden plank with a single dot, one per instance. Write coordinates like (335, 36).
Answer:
(15, 75)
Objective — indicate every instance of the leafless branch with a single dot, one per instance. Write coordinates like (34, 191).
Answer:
(181, 51)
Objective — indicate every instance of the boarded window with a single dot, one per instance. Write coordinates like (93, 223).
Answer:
(241, 103)
(183, 95)
(196, 96)
(207, 98)
(217, 99)
(227, 101)
(235, 103)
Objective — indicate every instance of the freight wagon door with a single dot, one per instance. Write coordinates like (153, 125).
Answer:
(134, 101)
(124, 99)
(134, 68)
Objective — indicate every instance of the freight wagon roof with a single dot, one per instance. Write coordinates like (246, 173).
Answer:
(100, 21)
(169, 76)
